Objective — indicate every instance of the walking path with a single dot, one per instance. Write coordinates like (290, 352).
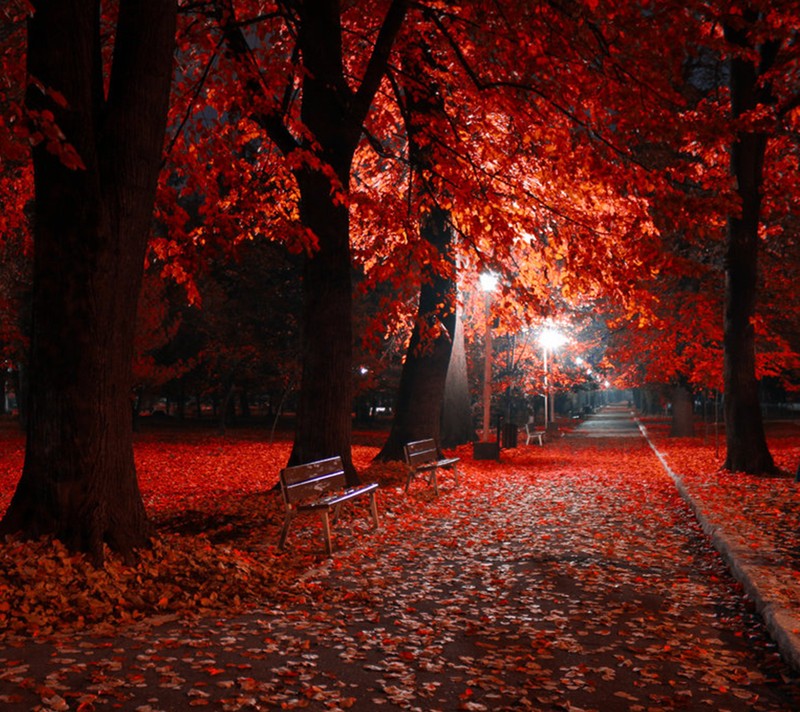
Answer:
(569, 577)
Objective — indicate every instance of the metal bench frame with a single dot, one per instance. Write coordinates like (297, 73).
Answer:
(423, 456)
(532, 434)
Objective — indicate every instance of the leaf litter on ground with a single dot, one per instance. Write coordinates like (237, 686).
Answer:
(555, 579)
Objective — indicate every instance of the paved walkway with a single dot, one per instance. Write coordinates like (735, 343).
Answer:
(569, 577)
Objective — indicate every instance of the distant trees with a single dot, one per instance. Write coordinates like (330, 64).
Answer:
(730, 209)
(238, 340)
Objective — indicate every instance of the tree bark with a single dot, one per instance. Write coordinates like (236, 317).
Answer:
(325, 398)
(333, 115)
(418, 410)
(418, 407)
(90, 234)
(747, 449)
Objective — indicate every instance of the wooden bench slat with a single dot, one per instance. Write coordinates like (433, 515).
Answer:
(334, 499)
(315, 487)
(319, 468)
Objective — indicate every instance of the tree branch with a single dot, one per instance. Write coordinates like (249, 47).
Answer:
(272, 122)
(376, 66)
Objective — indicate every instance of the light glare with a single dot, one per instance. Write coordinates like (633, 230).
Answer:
(551, 338)
(488, 281)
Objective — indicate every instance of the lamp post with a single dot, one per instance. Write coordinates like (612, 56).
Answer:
(488, 283)
(550, 339)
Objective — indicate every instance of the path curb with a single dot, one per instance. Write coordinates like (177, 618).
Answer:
(782, 622)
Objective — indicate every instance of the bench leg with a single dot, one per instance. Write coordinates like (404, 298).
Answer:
(373, 505)
(411, 474)
(434, 481)
(285, 531)
(455, 474)
(326, 527)
(336, 509)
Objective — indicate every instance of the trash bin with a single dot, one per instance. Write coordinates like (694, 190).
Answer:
(509, 435)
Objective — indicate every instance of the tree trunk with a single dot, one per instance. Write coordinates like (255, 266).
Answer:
(325, 399)
(20, 377)
(747, 449)
(418, 407)
(90, 235)
(244, 404)
(227, 409)
(457, 425)
(333, 116)
(682, 412)
(418, 410)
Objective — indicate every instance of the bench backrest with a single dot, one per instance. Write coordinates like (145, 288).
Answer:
(419, 452)
(312, 479)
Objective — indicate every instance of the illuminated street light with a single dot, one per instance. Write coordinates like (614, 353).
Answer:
(550, 340)
(488, 284)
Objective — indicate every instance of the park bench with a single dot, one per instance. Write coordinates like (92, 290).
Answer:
(320, 487)
(532, 434)
(423, 456)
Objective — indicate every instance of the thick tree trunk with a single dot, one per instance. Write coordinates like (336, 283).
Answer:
(325, 398)
(418, 407)
(747, 449)
(334, 116)
(90, 234)
(457, 425)
(418, 410)
(682, 412)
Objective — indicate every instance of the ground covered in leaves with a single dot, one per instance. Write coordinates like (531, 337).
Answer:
(569, 577)
(217, 515)
(762, 514)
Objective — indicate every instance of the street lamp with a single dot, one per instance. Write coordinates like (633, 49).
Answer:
(488, 284)
(550, 340)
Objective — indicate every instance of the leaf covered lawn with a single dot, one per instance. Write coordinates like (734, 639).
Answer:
(569, 577)
(759, 516)
(217, 518)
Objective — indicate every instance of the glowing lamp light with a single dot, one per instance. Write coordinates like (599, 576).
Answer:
(488, 282)
(551, 339)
